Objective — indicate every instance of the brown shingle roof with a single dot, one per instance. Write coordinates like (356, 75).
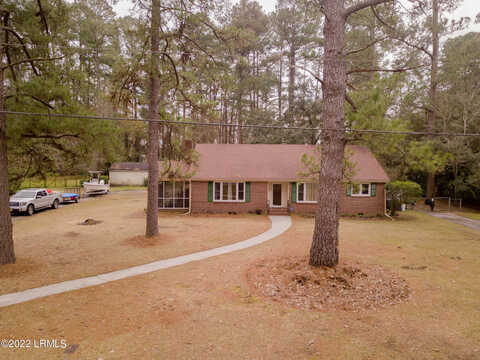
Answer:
(259, 162)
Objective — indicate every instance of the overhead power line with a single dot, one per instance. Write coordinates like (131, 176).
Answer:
(32, 47)
(247, 126)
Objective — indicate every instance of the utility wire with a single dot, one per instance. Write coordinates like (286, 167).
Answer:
(32, 47)
(200, 124)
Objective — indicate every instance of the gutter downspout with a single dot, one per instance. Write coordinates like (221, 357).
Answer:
(385, 204)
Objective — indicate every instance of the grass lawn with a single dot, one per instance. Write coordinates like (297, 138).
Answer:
(207, 310)
(51, 246)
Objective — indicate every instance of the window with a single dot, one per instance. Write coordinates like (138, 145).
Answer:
(360, 189)
(173, 194)
(226, 191)
(25, 194)
(307, 192)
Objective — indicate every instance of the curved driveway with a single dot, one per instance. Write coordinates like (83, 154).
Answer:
(279, 225)
(473, 224)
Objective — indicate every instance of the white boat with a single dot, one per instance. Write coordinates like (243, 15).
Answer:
(95, 186)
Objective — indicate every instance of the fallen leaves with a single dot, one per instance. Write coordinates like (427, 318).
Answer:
(292, 281)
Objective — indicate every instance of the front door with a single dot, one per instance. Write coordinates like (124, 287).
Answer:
(277, 195)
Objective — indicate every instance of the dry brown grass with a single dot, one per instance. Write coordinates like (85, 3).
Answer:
(205, 309)
(53, 246)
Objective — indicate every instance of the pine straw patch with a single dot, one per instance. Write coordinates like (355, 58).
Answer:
(349, 287)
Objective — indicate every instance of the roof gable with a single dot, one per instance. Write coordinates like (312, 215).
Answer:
(278, 162)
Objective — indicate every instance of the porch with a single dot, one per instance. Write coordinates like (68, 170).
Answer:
(278, 197)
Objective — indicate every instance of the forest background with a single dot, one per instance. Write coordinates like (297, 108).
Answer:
(235, 64)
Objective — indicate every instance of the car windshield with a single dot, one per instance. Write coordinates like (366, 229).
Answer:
(25, 194)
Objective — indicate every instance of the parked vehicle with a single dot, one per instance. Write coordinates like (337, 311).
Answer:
(69, 197)
(95, 186)
(31, 200)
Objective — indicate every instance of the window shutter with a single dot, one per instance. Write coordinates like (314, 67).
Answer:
(294, 192)
(373, 190)
(210, 191)
(349, 189)
(247, 192)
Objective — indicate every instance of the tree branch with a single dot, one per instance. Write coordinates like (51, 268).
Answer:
(25, 49)
(421, 48)
(362, 5)
(46, 136)
(201, 49)
(384, 70)
(34, 98)
(366, 47)
(174, 68)
(347, 97)
(7, 50)
(42, 17)
(32, 59)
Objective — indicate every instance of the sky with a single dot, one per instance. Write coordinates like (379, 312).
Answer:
(469, 8)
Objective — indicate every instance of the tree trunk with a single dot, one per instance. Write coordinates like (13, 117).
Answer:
(292, 71)
(7, 254)
(238, 130)
(324, 249)
(280, 85)
(99, 108)
(153, 127)
(373, 50)
(432, 112)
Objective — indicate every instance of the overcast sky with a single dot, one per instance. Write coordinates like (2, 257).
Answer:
(469, 8)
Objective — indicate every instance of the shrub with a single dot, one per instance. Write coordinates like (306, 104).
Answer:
(402, 192)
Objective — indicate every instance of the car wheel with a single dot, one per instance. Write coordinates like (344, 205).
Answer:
(55, 204)
(30, 210)
(76, 199)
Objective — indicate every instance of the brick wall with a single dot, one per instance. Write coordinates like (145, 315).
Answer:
(352, 205)
(200, 204)
(349, 205)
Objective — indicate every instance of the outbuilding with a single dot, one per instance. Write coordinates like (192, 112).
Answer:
(128, 173)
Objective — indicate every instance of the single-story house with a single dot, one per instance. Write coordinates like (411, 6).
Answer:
(249, 177)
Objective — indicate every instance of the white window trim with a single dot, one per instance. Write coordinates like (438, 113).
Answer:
(361, 195)
(174, 197)
(221, 191)
(304, 201)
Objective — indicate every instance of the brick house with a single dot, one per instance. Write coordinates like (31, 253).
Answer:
(245, 178)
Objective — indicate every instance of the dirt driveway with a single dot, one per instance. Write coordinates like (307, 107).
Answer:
(52, 246)
(457, 219)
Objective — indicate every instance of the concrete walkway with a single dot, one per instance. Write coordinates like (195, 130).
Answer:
(279, 225)
(473, 224)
